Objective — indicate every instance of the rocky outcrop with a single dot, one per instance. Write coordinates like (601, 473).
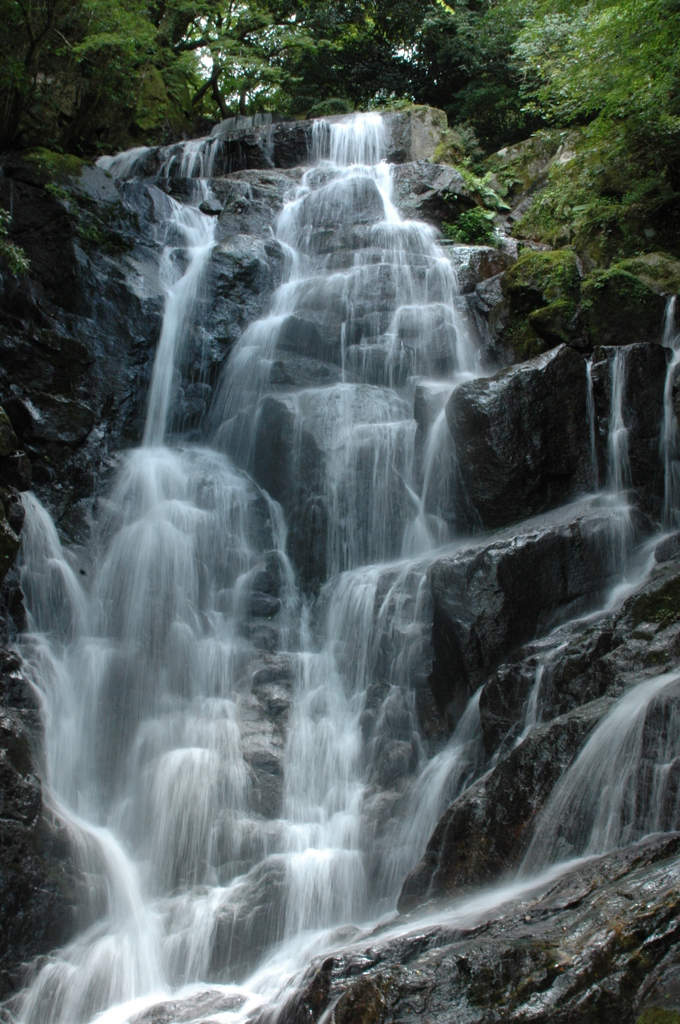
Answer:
(430, 192)
(643, 370)
(498, 593)
(78, 333)
(522, 439)
(410, 135)
(599, 943)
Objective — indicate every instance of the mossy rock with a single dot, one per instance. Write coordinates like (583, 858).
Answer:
(662, 605)
(8, 439)
(520, 168)
(620, 309)
(658, 1015)
(542, 278)
(519, 340)
(556, 323)
(50, 167)
(659, 272)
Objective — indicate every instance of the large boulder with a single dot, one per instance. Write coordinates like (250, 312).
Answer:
(522, 439)
(593, 944)
(620, 308)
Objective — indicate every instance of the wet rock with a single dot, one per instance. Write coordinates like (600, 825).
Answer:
(250, 921)
(211, 207)
(251, 200)
(523, 439)
(184, 1011)
(430, 192)
(39, 892)
(496, 594)
(484, 833)
(643, 370)
(598, 943)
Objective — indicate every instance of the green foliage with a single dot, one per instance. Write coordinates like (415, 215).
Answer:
(473, 227)
(10, 254)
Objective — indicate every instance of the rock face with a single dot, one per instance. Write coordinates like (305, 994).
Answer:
(39, 886)
(522, 439)
(78, 335)
(426, 191)
(575, 679)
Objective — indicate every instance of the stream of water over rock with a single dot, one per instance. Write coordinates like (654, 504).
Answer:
(218, 846)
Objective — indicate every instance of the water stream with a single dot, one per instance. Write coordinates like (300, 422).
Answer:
(223, 847)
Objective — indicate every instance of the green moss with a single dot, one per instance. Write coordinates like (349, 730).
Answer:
(556, 323)
(327, 108)
(541, 278)
(51, 167)
(520, 339)
(620, 309)
(659, 272)
(658, 1015)
(662, 605)
(516, 169)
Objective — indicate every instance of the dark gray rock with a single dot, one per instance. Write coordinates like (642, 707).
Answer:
(644, 378)
(430, 192)
(485, 832)
(39, 885)
(522, 439)
(498, 593)
(599, 943)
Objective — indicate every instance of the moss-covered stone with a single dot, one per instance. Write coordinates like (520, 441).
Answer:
(662, 605)
(520, 168)
(658, 1015)
(659, 272)
(50, 167)
(8, 439)
(620, 309)
(556, 323)
(541, 278)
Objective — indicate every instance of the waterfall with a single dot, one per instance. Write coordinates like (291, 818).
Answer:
(206, 838)
(670, 435)
(622, 786)
(231, 727)
(196, 234)
(618, 466)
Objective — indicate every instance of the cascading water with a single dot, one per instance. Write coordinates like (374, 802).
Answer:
(670, 436)
(213, 835)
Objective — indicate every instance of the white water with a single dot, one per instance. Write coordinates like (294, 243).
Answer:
(618, 466)
(670, 435)
(149, 669)
(622, 786)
